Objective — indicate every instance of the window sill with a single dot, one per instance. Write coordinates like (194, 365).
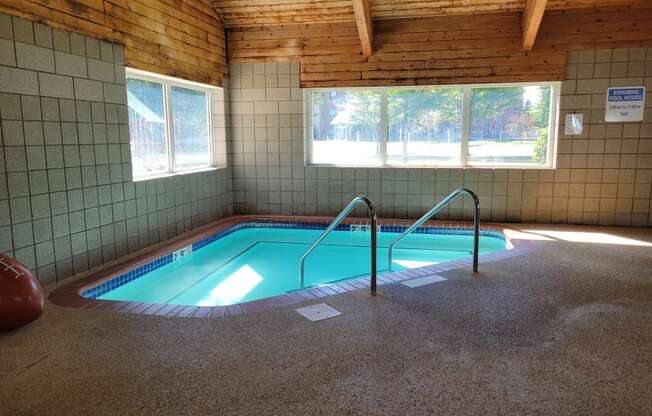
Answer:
(442, 166)
(170, 174)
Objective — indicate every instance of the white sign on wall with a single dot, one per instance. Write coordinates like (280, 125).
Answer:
(625, 104)
(574, 124)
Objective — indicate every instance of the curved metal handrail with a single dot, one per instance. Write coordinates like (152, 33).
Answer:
(346, 211)
(437, 208)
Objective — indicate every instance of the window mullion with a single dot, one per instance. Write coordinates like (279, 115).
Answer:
(384, 127)
(466, 126)
(552, 125)
(308, 126)
(168, 127)
(212, 160)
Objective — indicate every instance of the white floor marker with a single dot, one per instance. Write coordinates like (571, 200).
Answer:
(318, 312)
(422, 281)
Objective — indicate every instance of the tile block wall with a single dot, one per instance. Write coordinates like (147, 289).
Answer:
(602, 177)
(67, 198)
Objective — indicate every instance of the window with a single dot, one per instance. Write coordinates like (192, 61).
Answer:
(474, 125)
(346, 127)
(169, 125)
(510, 125)
(425, 126)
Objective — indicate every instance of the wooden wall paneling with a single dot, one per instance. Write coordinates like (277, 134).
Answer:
(181, 38)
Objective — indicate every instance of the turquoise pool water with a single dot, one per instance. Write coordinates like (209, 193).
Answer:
(256, 263)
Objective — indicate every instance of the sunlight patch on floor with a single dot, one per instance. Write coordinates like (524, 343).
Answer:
(581, 237)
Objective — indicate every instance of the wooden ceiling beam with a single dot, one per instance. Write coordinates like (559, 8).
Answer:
(365, 26)
(532, 16)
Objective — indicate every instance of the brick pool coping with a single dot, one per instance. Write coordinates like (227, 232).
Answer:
(69, 295)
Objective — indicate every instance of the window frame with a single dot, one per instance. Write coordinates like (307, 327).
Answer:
(167, 82)
(464, 163)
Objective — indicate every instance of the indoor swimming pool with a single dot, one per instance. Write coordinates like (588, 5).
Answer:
(257, 260)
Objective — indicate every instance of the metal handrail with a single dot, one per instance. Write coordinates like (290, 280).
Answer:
(437, 208)
(372, 217)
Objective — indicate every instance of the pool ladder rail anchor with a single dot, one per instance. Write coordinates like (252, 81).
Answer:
(373, 229)
(436, 209)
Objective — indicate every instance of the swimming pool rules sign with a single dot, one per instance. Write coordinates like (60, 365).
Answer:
(625, 104)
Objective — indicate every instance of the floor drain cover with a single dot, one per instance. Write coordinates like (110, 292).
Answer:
(422, 281)
(318, 312)
(16, 360)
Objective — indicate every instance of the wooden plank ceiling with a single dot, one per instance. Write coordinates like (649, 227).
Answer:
(239, 13)
(442, 50)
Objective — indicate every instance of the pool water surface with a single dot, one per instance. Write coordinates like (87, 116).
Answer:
(256, 262)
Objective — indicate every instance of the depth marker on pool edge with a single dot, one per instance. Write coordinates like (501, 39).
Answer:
(422, 281)
(318, 312)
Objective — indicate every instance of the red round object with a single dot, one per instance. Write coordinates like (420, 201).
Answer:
(21, 295)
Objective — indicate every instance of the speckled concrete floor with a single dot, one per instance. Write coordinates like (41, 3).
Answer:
(566, 330)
